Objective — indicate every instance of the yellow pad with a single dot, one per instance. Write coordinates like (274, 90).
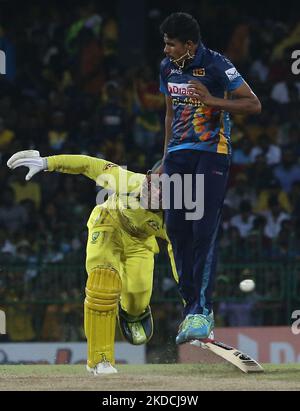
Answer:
(103, 290)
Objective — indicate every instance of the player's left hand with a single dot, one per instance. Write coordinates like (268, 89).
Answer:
(200, 92)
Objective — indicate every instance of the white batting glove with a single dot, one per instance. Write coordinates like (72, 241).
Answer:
(30, 159)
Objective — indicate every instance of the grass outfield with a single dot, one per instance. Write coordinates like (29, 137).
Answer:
(154, 377)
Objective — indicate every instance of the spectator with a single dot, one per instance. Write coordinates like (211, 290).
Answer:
(6, 135)
(26, 190)
(294, 196)
(52, 328)
(259, 173)
(27, 257)
(58, 134)
(273, 189)
(287, 91)
(147, 124)
(85, 136)
(293, 143)
(19, 320)
(90, 76)
(7, 247)
(239, 314)
(289, 124)
(111, 114)
(240, 191)
(274, 218)
(264, 146)
(244, 220)
(260, 68)
(288, 171)
(12, 216)
(243, 310)
(241, 154)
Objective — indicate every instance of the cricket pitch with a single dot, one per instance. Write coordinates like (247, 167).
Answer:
(150, 377)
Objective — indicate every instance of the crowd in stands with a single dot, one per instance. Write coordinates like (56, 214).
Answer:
(67, 92)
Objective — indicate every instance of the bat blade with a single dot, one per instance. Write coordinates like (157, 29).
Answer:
(230, 354)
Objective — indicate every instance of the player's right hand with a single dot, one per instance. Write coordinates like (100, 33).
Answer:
(30, 159)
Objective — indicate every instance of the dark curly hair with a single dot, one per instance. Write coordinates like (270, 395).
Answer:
(181, 26)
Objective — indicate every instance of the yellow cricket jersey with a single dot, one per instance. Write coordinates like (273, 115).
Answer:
(122, 206)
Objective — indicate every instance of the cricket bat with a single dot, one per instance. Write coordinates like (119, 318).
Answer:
(230, 354)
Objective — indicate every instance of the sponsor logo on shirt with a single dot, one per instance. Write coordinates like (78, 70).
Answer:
(108, 166)
(176, 71)
(179, 89)
(95, 236)
(199, 72)
(187, 101)
(232, 73)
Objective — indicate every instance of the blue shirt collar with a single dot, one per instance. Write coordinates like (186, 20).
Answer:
(198, 56)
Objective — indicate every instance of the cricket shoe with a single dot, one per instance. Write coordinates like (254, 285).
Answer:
(199, 343)
(195, 327)
(136, 330)
(102, 368)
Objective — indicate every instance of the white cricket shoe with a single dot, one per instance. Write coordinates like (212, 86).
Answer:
(198, 343)
(102, 368)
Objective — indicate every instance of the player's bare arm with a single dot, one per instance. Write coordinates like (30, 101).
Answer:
(168, 122)
(168, 129)
(244, 100)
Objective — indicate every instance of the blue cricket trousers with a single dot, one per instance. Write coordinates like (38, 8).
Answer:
(194, 242)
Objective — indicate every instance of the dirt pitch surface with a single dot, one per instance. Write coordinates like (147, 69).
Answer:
(163, 377)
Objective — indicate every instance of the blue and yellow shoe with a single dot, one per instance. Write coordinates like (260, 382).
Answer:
(195, 327)
(136, 330)
(183, 329)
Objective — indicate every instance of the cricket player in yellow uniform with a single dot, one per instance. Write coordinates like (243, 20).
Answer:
(120, 253)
